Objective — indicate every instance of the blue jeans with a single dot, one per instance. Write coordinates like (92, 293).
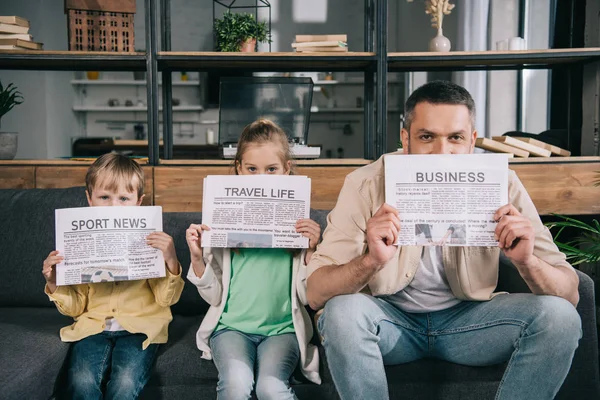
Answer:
(537, 335)
(235, 354)
(114, 359)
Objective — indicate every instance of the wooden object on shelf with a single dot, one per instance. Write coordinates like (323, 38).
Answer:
(100, 25)
(531, 148)
(553, 149)
(497, 147)
(19, 44)
(14, 20)
(321, 38)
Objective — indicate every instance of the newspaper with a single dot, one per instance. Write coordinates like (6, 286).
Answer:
(447, 199)
(105, 244)
(255, 210)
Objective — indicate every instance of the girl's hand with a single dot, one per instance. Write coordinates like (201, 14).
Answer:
(49, 269)
(310, 229)
(164, 242)
(193, 237)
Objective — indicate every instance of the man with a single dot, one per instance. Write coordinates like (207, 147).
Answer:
(438, 301)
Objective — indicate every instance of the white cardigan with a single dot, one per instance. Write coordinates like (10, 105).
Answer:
(217, 276)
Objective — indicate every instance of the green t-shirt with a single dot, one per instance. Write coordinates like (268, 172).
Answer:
(259, 300)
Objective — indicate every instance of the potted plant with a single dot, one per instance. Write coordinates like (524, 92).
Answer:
(9, 97)
(239, 32)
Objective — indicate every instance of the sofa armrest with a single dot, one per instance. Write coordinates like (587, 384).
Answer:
(583, 380)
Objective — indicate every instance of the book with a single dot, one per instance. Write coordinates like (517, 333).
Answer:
(8, 28)
(321, 38)
(532, 149)
(14, 20)
(22, 36)
(320, 44)
(21, 43)
(321, 49)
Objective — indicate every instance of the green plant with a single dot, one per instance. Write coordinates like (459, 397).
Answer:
(586, 247)
(9, 97)
(234, 29)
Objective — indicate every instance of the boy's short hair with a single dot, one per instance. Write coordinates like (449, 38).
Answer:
(113, 169)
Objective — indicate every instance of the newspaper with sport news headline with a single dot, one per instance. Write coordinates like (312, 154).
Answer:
(446, 199)
(255, 210)
(105, 244)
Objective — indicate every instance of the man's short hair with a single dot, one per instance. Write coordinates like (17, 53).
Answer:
(113, 169)
(438, 92)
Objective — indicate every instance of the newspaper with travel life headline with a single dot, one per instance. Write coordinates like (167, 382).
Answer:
(105, 244)
(447, 199)
(255, 210)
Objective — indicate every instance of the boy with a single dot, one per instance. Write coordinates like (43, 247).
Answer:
(118, 325)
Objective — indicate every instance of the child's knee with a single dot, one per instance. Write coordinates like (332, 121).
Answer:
(236, 384)
(270, 387)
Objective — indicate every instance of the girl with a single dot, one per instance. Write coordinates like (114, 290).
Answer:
(254, 318)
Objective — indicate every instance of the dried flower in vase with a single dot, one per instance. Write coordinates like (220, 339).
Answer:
(437, 9)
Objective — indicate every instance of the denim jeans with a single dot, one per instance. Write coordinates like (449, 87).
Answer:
(537, 335)
(236, 354)
(112, 359)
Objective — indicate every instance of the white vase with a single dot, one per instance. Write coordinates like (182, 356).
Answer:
(8, 145)
(439, 42)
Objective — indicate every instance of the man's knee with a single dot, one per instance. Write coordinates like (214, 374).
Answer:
(559, 319)
(345, 314)
(270, 387)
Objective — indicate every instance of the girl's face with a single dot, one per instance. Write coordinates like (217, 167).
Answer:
(264, 158)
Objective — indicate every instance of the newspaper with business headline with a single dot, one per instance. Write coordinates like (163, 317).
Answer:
(447, 199)
(255, 210)
(105, 244)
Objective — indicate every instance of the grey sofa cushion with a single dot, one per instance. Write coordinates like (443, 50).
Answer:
(26, 238)
(31, 351)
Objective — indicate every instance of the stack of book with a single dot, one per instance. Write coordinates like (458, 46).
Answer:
(14, 34)
(320, 43)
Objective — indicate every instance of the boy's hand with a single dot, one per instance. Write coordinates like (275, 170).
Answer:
(310, 229)
(49, 269)
(164, 242)
(193, 236)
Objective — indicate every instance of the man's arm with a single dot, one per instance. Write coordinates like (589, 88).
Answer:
(517, 238)
(333, 280)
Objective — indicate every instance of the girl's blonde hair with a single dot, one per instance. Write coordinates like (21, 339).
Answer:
(263, 131)
(113, 169)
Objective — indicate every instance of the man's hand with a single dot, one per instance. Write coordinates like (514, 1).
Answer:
(382, 234)
(49, 269)
(515, 235)
(164, 242)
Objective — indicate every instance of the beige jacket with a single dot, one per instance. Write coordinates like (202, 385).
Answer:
(214, 289)
(472, 272)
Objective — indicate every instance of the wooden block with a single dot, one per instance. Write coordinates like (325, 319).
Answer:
(496, 147)
(553, 149)
(17, 177)
(532, 149)
(561, 188)
(67, 176)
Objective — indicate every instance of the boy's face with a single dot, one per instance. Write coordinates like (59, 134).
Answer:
(102, 196)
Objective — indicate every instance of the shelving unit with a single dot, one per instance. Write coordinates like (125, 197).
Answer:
(126, 82)
(132, 108)
(374, 62)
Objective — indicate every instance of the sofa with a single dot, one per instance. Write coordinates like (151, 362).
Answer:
(32, 353)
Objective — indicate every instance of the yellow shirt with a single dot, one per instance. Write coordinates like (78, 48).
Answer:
(141, 306)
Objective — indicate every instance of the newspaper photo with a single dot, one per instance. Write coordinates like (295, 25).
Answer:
(255, 210)
(105, 244)
(447, 199)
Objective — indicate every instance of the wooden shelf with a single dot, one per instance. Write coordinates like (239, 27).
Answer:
(490, 60)
(126, 82)
(132, 108)
(266, 62)
(45, 60)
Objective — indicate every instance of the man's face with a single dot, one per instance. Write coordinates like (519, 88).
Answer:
(439, 129)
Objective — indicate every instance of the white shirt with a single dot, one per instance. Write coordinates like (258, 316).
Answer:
(111, 325)
(429, 290)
